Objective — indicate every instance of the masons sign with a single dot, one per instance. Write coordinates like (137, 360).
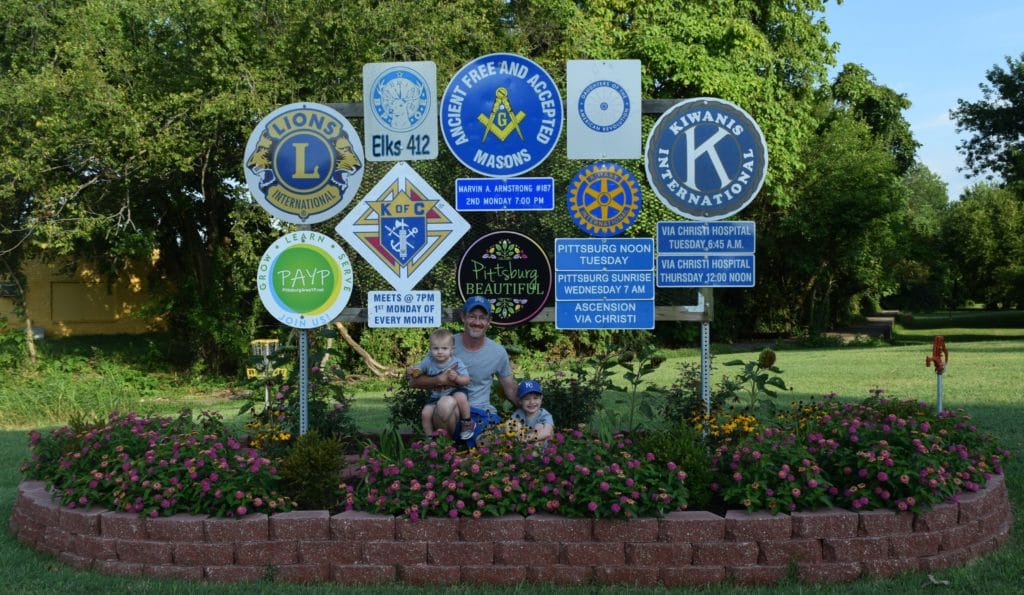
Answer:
(706, 158)
(303, 163)
(304, 279)
(501, 115)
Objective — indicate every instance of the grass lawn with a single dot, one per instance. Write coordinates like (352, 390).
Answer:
(985, 377)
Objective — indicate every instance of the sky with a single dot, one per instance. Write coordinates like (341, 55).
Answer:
(934, 52)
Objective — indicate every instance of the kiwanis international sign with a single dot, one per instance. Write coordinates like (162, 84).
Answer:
(706, 158)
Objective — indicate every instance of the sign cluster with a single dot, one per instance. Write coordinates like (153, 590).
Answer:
(501, 115)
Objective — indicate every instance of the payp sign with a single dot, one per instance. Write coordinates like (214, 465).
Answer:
(305, 279)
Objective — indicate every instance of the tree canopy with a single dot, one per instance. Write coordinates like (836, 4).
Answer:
(996, 124)
(124, 122)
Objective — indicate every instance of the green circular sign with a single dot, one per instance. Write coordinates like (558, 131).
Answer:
(305, 279)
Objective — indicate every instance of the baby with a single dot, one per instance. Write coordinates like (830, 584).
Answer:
(441, 361)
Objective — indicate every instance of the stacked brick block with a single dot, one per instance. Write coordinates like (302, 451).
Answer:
(681, 549)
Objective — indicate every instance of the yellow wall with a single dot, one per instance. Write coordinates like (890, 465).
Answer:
(81, 302)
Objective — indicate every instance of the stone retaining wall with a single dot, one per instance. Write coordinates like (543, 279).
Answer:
(683, 548)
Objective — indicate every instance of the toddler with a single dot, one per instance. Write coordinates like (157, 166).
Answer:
(440, 361)
(530, 412)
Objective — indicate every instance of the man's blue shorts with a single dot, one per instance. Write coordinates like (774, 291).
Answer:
(483, 418)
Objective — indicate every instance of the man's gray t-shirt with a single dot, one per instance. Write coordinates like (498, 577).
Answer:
(483, 364)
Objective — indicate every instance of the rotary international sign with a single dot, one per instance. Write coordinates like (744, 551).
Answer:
(304, 279)
(501, 115)
(304, 163)
(706, 158)
(604, 199)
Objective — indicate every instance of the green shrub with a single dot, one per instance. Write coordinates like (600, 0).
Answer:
(682, 443)
(311, 471)
(404, 403)
(683, 402)
(573, 392)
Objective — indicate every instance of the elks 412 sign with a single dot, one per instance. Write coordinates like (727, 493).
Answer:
(304, 279)
(706, 158)
(501, 115)
(304, 163)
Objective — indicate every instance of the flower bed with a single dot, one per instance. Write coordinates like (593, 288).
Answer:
(682, 548)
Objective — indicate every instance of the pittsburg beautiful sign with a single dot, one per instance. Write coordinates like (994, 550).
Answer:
(509, 269)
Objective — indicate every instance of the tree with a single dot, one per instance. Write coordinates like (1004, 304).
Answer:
(833, 240)
(880, 108)
(984, 236)
(918, 267)
(996, 123)
(124, 121)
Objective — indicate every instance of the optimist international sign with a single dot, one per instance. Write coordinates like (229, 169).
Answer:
(706, 158)
(304, 279)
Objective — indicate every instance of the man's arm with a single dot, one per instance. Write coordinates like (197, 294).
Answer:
(509, 387)
(427, 382)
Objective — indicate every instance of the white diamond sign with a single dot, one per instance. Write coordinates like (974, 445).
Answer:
(402, 227)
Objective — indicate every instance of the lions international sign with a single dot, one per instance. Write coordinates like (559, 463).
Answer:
(706, 158)
(304, 163)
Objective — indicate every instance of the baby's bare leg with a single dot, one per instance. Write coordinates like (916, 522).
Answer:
(446, 413)
(427, 418)
(462, 401)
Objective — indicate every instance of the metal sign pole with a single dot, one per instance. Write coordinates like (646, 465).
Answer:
(303, 382)
(705, 366)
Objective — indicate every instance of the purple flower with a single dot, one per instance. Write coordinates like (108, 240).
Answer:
(592, 506)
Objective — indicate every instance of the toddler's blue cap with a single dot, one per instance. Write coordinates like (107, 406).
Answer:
(529, 386)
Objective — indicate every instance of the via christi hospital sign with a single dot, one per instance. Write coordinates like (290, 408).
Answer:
(706, 158)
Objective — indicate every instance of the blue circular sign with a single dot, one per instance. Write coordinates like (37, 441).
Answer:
(604, 199)
(706, 158)
(400, 98)
(603, 106)
(303, 163)
(501, 115)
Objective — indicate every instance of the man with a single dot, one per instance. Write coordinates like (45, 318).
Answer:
(484, 359)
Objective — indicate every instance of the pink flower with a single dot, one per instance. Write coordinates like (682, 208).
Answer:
(592, 506)
(604, 486)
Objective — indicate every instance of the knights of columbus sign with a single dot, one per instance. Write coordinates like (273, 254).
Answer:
(402, 227)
